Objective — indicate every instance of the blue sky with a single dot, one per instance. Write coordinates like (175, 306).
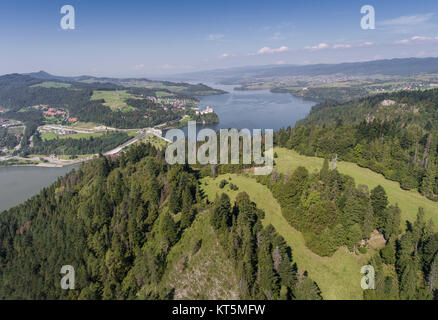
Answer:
(147, 38)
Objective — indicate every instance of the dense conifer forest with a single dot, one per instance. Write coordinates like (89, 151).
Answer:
(123, 221)
(117, 220)
(394, 134)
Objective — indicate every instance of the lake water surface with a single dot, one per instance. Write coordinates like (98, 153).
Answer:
(259, 109)
(18, 184)
(237, 109)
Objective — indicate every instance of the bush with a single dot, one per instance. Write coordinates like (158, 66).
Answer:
(362, 250)
(233, 187)
(223, 183)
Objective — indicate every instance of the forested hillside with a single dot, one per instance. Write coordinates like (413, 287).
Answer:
(394, 134)
(19, 92)
(121, 223)
(33, 101)
(70, 146)
(332, 212)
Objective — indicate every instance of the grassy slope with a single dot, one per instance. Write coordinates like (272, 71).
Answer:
(408, 201)
(206, 274)
(114, 99)
(155, 141)
(338, 276)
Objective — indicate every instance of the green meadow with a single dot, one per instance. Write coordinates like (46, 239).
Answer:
(338, 276)
(155, 141)
(408, 201)
(114, 99)
(52, 84)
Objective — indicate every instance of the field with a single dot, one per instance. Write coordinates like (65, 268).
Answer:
(338, 276)
(51, 136)
(114, 99)
(408, 201)
(155, 141)
(84, 125)
(161, 94)
(157, 85)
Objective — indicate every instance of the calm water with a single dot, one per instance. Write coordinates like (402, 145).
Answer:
(237, 109)
(18, 184)
(255, 109)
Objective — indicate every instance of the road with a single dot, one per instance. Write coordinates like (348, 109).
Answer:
(127, 143)
(55, 162)
(134, 140)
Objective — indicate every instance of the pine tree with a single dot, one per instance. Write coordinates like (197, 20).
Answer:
(368, 222)
(379, 201)
(433, 275)
(408, 281)
(269, 282)
(388, 252)
(392, 221)
(429, 181)
(168, 228)
(222, 212)
(307, 289)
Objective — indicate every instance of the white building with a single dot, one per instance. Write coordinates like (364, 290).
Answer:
(207, 110)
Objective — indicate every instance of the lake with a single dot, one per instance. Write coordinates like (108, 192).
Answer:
(18, 184)
(259, 109)
(237, 109)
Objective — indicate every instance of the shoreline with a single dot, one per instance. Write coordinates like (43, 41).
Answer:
(44, 165)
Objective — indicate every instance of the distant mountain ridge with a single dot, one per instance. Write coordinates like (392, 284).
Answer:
(390, 67)
(43, 75)
(387, 67)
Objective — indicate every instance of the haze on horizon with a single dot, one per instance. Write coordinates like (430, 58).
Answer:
(158, 38)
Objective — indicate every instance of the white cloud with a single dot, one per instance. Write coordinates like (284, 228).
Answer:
(407, 20)
(318, 47)
(214, 37)
(342, 46)
(366, 44)
(416, 39)
(267, 50)
(420, 38)
(408, 24)
(280, 62)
